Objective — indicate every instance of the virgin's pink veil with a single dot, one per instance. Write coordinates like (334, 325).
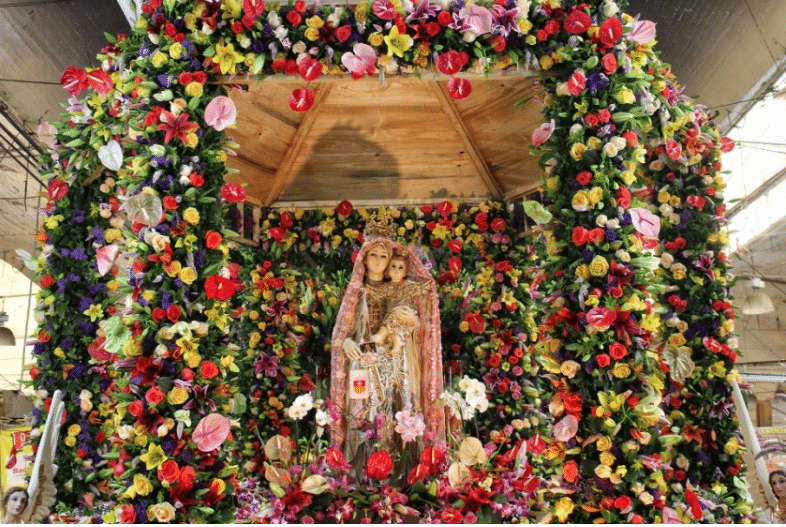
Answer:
(430, 339)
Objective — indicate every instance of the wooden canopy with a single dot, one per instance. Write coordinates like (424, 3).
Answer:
(404, 140)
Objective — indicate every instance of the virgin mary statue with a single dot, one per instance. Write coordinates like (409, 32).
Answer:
(373, 378)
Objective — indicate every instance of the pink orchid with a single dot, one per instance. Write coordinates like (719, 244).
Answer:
(361, 60)
(476, 19)
(645, 222)
(220, 113)
(542, 133)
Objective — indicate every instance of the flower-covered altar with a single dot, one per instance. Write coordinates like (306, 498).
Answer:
(585, 339)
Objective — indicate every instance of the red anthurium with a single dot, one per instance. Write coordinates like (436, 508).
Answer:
(57, 189)
(253, 8)
(344, 208)
(459, 88)
(233, 193)
(577, 22)
(449, 62)
(74, 80)
(309, 68)
(379, 465)
(301, 99)
(726, 144)
(100, 81)
(610, 31)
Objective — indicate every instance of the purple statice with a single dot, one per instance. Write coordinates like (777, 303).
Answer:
(188, 48)
(166, 299)
(73, 277)
(194, 64)
(597, 81)
(168, 445)
(625, 218)
(38, 348)
(84, 303)
(588, 255)
(77, 371)
(141, 511)
(78, 216)
(97, 235)
(79, 254)
(95, 289)
(186, 455)
(456, 5)
(611, 235)
(257, 46)
(267, 32)
(87, 327)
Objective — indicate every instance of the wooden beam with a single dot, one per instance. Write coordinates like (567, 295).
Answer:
(522, 191)
(284, 173)
(472, 148)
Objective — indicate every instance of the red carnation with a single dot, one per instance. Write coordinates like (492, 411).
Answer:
(379, 465)
(213, 239)
(208, 369)
(169, 202)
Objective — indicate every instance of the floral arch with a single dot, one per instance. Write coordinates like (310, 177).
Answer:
(602, 339)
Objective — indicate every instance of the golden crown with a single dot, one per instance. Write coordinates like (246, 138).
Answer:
(379, 229)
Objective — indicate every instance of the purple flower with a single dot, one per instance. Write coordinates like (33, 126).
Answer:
(504, 20)
(597, 81)
(97, 234)
(143, 51)
(84, 303)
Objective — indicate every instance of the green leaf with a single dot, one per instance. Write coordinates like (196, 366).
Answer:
(209, 52)
(194, 102)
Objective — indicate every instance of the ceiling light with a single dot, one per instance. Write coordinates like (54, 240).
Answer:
(757, 303)
(6, 335)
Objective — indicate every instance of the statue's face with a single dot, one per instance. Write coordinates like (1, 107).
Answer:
(377, 261)
(779, 485)
(16, 503)
(397, 270)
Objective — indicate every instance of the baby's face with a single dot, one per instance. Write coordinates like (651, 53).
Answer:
(397, 270)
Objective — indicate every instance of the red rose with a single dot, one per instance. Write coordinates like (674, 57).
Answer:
(623, 197)
(444, 18)
(300, 6)
(344, 208)
(610, 31)
(577, 22)
(170, 202)
(213, 239)
(617, 350)
(456, 245)
(343, 33)
(604, 115)
(169, 471)
(609, 63)
(584, 177)
(187, 477)
(207, 369)
(200, 77)
(596, 235)
(47, 281)
(34, 372)
(696, 201)
(278, 234)
(498, 43)
(379, 465)
(233, 193)
(603, 360)
(498, 224)
(154, 395)
(622, 502)
(570, 471)
(477, 324)
(128, 514)
(136, 408)
(187, 374)
(173, 313)
(631, 139)
(158, 315)
(279, 64)
(579, 235)
(185, 78)
(196, 180)
(335, 458)
(294, 18)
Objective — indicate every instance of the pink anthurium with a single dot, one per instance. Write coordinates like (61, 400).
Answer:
(301, 99)
(643, 31)
(220, 113)
(542, 133)
(361, 60)
(645, 222)
(210, 432)
(309, 68)
(459, 88)
(105, 256)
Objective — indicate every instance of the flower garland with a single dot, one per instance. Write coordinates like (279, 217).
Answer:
(139, 164)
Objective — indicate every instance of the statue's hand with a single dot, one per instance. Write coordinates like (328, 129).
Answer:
(351, 349)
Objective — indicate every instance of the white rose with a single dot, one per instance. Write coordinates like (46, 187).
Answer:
(666, 260)
(281, 32)
(610, 150)
(299, 47)
(562, 89)
(613, 224)
(610, 8)
(85, 405)
(674, 219)
(622, 255)
(619, 142)
(469, 36)
(126, 432)
(601, 220)
(273, 19)
(665, 209)
(162, 512)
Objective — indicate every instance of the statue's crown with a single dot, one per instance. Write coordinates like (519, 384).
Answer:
(379, 229)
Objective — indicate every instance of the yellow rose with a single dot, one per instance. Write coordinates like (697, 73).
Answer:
(569, 368)
(546, 62)
(376, 39)
(621, 370)
(679, 271)
(194, 89)
(161, 512)
(70, 441)
(315, 22)
(361, 11)
(112, 235)
(464, 326)
(74, 429)
(604, 443)
(187, 275)
(582, 271)
(599, 266)
(177, 395)
(142, 485)
(580, 201)
(312, 34)
(677, 340)
(159, 59)
(577, 151)
(594, 143)
(595, 195)
(132, 348)
(625, 96)
(193, 360)
(603, 471)
(552, 184)
(607, 458)
(176, 50)
(173, 268)
(564, 508)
